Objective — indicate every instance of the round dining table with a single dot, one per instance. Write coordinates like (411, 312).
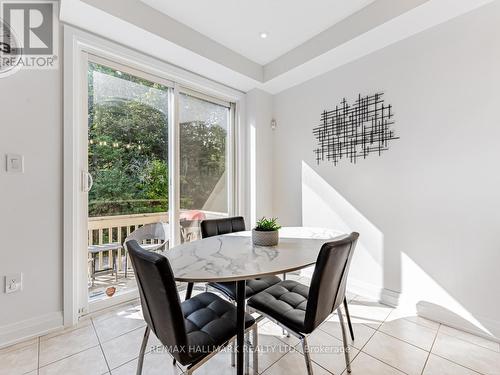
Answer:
(233, 257)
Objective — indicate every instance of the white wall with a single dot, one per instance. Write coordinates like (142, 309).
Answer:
(260, 154)
(427, 209)
(31, 203)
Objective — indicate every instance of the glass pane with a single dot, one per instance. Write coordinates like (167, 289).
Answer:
(128, 161)
(204, 130)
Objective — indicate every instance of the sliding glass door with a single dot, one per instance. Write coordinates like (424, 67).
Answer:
(203, 132)
(127, 181)
(128, 119)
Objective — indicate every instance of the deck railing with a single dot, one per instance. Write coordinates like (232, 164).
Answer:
(108, 229)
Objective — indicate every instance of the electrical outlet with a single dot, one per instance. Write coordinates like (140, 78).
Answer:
(13, 282)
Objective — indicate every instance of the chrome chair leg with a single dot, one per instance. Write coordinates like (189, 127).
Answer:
(247, 354)
(233, 354)
(255, 349)
(344, 339)
(307, 356)
(348, 316)
(143, 350)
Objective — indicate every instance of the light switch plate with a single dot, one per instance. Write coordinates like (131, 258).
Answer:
(15, 163)
(13, 282)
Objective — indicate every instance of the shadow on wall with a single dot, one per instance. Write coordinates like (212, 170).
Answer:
(378, 272)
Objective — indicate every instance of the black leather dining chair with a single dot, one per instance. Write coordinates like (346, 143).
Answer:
(214, 227)
(192, 331)
(300, 309)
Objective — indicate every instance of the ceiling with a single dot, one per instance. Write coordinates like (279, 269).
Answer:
(220, 40)
(236, 24)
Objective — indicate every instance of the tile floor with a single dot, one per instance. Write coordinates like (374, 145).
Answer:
(387, 342)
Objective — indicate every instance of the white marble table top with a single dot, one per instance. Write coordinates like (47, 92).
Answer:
(232, 257)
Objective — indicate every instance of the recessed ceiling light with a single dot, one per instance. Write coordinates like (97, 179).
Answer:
(263, 35)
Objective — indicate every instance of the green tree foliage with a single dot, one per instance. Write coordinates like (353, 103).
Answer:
(202, 161)
(128, 153)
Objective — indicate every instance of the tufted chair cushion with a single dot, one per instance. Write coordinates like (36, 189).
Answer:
(285, 301)
(210, 321)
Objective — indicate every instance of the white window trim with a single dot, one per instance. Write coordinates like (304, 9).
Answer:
(77, 44)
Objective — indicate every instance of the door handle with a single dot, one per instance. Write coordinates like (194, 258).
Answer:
(87, 181)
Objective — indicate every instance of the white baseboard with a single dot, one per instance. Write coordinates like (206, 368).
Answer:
(13, 333)
(386, 296)
(390, 297)
(364, 289)
(426, 310)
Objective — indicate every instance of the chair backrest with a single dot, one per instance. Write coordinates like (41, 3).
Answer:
(153, 231)
(328, 283)
(160, 301)
(215, 227)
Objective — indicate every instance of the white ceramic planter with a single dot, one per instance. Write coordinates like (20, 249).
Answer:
(265, 238)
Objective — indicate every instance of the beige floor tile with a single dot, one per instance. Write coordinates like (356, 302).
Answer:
(271, 329)
(88, 362)
(396, 353)
(220, 364)
(271, 349)
(114, 311)
(161, 363)
(121, 322)
(66, 344)
(81, 324)
(440, 366)
(473, 339)
(327, 351)
(473, 356)
(154, 364)
(362, 333)
(368, 312)
(410, 332)
(19, 345)
(410, 315)
(293, 363)
(423, 322)
(19, 359)
(125, 348)
(364, 364)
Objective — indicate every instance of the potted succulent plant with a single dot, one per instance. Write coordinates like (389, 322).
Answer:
(265, 232)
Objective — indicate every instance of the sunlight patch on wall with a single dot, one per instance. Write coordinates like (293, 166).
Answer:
(324, 207)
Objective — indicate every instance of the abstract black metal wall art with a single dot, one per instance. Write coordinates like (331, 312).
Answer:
(354, 131)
